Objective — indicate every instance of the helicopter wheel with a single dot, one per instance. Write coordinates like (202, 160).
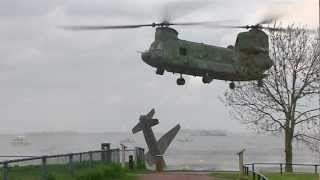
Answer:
(232, 86)
(160, 71)
(260, 83)
(206, 79)
(181, 81)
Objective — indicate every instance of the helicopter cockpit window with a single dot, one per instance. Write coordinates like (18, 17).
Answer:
(183, 51)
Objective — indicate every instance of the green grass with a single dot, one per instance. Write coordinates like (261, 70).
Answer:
(274, 176)
(271, 176)
(81, 172)
(225, 175)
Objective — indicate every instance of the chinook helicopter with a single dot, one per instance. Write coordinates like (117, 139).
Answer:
(247, 60)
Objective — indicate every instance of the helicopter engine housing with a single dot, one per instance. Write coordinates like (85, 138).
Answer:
(253, 46)
(166, 33)
(254, 41)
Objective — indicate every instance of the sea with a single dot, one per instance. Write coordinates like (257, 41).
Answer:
(187, 152)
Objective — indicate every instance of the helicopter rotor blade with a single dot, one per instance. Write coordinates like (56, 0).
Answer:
(80, 28)
(201, 23)
(163, 24)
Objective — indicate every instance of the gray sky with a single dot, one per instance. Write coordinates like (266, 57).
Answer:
(55, 80)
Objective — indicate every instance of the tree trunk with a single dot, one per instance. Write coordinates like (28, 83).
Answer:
(288, 149)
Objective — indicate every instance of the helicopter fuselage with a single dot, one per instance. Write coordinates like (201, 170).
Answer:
(239, 63)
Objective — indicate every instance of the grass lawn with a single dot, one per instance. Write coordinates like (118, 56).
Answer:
(81, 172)
(274, 176)
(271, 176)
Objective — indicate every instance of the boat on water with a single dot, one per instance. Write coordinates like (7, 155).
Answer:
(20, 141)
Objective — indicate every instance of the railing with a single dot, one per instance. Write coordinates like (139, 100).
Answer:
(259, 176)
(255, 175)
(282, 165)
(71, 161)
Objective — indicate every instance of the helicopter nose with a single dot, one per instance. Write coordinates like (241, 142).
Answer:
(146, 56)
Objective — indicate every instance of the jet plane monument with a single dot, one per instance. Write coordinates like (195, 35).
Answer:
(156, 148)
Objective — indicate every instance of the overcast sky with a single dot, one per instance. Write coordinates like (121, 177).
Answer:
(53, 80)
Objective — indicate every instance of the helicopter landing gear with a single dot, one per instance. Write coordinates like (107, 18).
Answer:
(232, 86)
(160, 71)
(181, 81)
(206, 79)
(260, 83)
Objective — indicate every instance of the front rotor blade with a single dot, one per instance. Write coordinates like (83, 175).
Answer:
(79, 28)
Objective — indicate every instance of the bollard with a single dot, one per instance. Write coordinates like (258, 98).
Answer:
(44, 168)
(5, 170)
(71, 164)
(131, 162)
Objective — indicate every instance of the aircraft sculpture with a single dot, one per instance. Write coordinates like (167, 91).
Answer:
(247, 60)
(156, 148)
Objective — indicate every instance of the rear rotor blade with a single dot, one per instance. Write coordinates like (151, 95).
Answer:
(204, 23)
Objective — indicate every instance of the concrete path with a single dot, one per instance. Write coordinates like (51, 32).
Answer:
(176, 176)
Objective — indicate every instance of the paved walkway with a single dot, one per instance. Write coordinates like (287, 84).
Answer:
(176, 176)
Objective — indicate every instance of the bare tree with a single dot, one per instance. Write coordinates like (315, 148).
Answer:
(287, 103)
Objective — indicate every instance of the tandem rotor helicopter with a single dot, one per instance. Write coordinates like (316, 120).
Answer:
(247, 60)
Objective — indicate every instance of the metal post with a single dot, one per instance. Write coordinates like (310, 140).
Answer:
(241, 164)
(90, 159)
(71, 164)
(5, 170)
(123, 155)
(80, 159)
(118, 156)
(281, 168)
(44, 168)
(316, 169)
(252, 167)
